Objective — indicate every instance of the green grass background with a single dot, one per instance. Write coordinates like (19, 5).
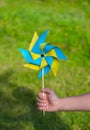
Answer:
(69, 25)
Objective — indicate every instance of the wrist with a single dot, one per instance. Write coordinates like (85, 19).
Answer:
(57, 104)
(61, 104)
(64, 104)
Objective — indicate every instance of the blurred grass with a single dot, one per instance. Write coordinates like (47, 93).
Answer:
(69, 25)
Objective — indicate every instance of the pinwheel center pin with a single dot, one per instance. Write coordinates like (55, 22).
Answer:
(42, 55)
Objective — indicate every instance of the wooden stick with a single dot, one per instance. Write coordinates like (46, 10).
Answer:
(43, 84)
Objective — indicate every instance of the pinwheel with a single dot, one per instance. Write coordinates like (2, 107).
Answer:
(42, 56)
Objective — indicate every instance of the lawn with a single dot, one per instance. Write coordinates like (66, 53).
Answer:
(69, 28)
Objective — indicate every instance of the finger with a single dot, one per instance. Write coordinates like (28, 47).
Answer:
(41, 96)
(41, 104)
(43, 108)
(47, 90)
(40, 100)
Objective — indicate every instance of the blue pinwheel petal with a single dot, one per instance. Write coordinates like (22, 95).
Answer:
(47, 48)
(58, 51)
(28, 57)
(41, 39)
(60, 54)
(46, 70)
(37, 61)
(49, 60)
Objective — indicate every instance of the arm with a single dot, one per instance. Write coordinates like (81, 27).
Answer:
(50, 102)
(75, 103)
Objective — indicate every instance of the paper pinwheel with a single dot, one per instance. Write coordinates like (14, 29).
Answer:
(42, 56)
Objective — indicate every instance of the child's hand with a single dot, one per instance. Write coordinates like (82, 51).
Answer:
(47, 100)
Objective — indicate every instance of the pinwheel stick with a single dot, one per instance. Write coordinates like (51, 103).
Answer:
(43, 84)
(42, 77)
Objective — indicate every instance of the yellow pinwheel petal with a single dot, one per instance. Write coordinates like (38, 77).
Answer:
(54, 66)
(43, 63)
(31, 66)
(42, 46)
(34, 39)
(51, 53)
(34, 55)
